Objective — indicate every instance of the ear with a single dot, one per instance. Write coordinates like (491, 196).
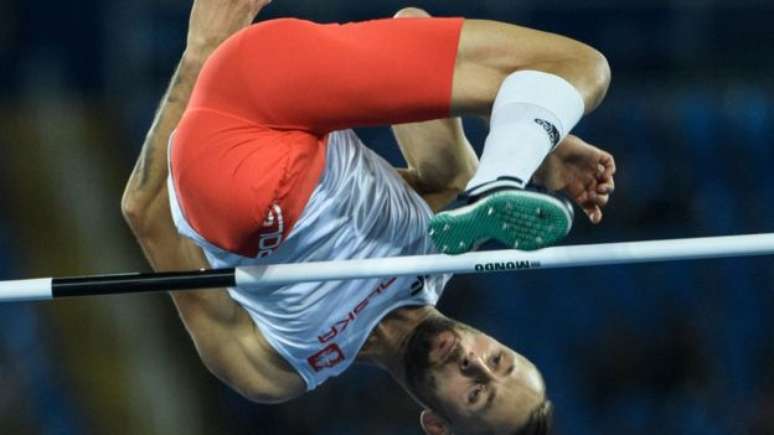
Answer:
(432, 424)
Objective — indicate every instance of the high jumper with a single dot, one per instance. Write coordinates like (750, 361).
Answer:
(251, 161)
(325, 249)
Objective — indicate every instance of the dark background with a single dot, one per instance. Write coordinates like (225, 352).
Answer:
(672, 348)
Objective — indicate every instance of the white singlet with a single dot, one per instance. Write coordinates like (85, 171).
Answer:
(360, 209)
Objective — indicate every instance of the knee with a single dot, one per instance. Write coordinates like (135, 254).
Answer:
(411, 12)
(598, 77)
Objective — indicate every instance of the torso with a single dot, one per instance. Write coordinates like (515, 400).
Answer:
(360, 209)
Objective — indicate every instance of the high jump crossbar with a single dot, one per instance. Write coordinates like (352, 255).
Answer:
(473, 262)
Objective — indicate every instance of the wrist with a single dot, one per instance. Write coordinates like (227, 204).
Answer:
(567, 146)
(548, 175)
(201, 45)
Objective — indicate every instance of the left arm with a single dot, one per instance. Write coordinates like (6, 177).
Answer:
(441, 162)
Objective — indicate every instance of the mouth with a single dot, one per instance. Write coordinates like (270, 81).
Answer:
(444, 344)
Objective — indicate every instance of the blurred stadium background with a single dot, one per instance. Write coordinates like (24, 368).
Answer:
(680, 348)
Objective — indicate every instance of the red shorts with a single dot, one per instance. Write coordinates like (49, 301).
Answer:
(250, 148)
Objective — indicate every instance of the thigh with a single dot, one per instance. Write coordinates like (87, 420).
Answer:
(241, 187)
(295, 74)
(490, 50)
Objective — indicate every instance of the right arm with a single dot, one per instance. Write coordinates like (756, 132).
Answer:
(223, 333)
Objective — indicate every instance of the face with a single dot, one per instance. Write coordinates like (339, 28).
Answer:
(470, 379)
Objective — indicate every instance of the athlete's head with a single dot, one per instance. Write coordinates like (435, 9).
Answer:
(470, 383)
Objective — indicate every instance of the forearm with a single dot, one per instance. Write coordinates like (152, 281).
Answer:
(438, 154)
(145, 203)
(211, 22)
(146, 206)
(145, 187)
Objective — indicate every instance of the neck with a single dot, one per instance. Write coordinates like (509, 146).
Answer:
(386, 346)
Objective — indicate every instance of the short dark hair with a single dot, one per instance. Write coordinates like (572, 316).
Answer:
(540, 420)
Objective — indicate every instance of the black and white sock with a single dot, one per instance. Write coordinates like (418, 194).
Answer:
(532, 113)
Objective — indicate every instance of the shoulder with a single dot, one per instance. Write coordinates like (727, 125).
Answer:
(267, 377)
(251, 367)
(233, 349)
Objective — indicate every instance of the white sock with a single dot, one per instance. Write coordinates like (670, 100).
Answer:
(533, 112)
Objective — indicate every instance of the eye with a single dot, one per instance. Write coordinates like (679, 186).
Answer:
(475, 393)
(497, 359)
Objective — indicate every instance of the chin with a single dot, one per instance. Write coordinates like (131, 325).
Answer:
(416, 360)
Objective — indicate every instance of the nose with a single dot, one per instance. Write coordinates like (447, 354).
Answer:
(474, 366)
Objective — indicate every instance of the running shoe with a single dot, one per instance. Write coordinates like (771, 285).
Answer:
(525, 219)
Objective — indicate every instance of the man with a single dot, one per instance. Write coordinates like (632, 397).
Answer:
(262, 171)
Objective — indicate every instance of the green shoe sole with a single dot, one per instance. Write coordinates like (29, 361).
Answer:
(518, 219)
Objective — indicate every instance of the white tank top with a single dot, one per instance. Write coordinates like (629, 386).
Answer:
(361, 209)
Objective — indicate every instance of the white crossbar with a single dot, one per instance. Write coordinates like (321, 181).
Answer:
(475, 262)
(510, 260)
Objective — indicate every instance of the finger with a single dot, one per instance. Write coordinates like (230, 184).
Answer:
(604, 176)
(583, 198)
(597, 218)
(598, 199)
(602, 200)
(594, 213)
(606, 188)
(608, 161)
(607, 182)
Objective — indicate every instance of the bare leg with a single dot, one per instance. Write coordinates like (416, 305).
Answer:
(536, 85)
(397, 71)
(439, 156)
(489, 51)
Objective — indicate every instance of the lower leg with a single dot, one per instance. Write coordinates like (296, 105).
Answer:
(531, 75)
(537, 86)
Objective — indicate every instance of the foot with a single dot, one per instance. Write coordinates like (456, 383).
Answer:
(518, 218)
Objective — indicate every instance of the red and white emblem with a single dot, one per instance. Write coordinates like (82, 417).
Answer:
(328, 357)
(270, 234)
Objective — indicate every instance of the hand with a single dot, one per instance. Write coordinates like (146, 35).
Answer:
(584, 172)
(212, 21)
